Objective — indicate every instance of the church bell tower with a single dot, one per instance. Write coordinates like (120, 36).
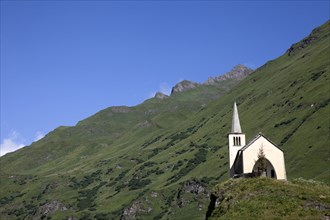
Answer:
(236, 140)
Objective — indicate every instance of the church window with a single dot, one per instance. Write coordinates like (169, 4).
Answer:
(237, 141)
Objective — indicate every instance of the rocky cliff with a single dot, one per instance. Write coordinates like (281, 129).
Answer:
(238, 72)
(183, 86)
(160, 95)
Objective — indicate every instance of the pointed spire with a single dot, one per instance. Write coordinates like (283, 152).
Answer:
(235, 125)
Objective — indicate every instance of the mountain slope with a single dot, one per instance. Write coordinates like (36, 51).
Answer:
(110, 126)
(159, 159)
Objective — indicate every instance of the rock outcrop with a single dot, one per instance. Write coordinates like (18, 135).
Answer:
(183, 86)
(160, 95)
(304, 43)
(144, 124)
(192, 189)
(238, 72)
(134, 210)
(120, 109)
(51, 207)
(195, 187)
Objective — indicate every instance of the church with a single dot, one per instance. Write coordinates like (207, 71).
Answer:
(260, 156)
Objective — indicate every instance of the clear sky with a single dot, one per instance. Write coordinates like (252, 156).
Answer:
(62, 61)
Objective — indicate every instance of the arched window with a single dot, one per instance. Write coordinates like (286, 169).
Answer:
(234, 138)
(239, 141)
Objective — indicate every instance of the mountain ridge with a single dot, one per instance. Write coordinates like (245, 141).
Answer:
(238, 72)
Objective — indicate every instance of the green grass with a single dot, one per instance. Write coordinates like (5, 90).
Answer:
(264, 198)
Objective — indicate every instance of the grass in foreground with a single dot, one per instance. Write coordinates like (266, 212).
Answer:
(264, 198)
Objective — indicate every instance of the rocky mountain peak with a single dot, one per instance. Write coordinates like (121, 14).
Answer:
(160, 95)
(183, 86)
(237, 72)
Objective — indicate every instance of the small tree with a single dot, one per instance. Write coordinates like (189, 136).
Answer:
(261, 162)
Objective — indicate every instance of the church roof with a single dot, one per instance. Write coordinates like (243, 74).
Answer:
(235, 125)
(256, 138)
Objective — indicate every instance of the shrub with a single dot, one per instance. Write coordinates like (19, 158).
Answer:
(177, 165)
(101, 216)
(134, 183)
(159, 171)
(284, 122)
(86, 197)
(199, 157)
(317, 75)
(121, 175)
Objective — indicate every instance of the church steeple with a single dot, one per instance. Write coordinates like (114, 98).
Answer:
(236, 140)
(235, 125)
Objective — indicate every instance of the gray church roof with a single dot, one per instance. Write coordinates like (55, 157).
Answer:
(235, 125)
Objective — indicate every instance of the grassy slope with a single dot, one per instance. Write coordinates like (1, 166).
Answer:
(123, 154)
(263, 198)
(113, 143)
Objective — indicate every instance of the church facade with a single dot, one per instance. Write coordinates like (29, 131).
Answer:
(259, 156)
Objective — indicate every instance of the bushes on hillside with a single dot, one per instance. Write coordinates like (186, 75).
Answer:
(134, 183)
(284, 122)
(86, 197)
(199, 157)
(87, 180)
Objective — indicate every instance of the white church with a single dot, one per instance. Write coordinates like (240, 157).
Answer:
(245, 160)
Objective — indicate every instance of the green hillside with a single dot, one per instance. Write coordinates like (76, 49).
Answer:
(263, 198)
(159, 159)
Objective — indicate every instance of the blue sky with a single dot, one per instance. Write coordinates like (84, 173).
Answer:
(62, 61)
